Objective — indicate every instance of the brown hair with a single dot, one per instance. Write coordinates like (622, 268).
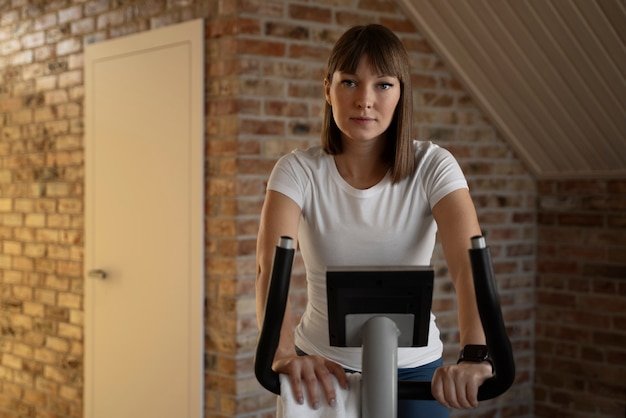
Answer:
(388, 56)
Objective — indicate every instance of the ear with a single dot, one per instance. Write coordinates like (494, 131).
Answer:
(327, 91)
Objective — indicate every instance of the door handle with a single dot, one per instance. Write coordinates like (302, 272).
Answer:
(97, 274)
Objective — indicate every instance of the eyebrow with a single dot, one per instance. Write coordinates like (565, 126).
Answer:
(346, 73)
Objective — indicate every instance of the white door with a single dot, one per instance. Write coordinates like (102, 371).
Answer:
(144, 249)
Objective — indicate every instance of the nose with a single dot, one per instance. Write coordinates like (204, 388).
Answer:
(364, 99)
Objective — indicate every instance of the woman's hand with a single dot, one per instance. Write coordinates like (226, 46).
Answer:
(456, 386)
(307, 372)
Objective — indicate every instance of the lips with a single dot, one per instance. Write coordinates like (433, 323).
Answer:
(361, 119)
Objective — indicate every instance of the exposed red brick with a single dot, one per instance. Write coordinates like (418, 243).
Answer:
(310, 13)
(286, 30)
(261, 47)
(585, 187)
(579, 219)
(582, 238)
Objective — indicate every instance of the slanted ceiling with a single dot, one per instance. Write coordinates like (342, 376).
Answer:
(550, 74)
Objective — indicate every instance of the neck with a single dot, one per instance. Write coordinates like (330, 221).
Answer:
(361, 170)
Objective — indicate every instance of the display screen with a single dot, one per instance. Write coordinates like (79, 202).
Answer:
(403, 294)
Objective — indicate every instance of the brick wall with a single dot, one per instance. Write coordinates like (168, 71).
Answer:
(265, 61)
(581, 299)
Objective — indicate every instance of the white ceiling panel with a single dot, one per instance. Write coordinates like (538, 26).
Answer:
(551, 74)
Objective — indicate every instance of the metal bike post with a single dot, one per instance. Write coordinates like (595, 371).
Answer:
(379, 381)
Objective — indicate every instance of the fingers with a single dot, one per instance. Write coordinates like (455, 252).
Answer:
(324, 377)
(457, 386)
(309, 373)
(339, 373)
(310, 379)
(296, 387)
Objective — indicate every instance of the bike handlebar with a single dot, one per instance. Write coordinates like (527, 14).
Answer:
(275, 305)
(488, 307)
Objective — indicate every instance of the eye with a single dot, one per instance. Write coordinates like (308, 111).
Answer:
(348, 83)
(385, 86)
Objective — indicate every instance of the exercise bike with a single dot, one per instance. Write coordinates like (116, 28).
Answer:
(390, 309)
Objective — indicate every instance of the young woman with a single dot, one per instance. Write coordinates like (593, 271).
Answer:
(371, 195)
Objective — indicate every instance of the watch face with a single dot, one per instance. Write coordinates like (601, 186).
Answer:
(478, 352)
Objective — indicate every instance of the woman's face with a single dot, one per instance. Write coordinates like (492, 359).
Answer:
(363, 103)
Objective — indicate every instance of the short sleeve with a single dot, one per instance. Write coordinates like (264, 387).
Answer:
(441, 174)
(288, 178)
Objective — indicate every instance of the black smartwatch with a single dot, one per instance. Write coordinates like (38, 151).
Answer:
(475, 353)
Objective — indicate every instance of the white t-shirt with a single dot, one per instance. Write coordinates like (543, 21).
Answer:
(385, 225)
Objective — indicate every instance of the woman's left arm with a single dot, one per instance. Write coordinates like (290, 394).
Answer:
(456, 386)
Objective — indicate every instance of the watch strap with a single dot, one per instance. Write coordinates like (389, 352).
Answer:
(475, 353)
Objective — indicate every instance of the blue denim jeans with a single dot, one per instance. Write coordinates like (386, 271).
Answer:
(421, 409)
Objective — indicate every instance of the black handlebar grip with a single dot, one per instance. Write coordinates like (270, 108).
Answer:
(411, 390)
(275, 306)
(493, 324)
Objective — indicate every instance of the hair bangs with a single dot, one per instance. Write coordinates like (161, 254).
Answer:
(369, 42)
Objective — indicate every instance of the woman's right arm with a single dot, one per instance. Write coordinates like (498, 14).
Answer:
(280, 216)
